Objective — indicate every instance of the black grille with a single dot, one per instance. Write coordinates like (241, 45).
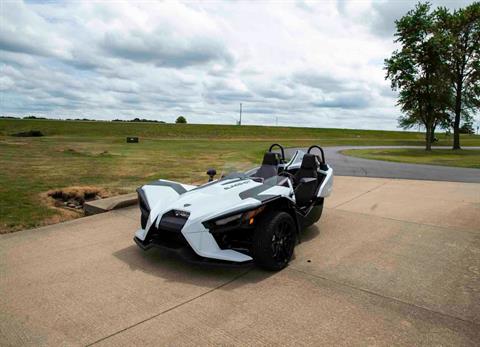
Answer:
(172, 222)
(169, 231)
(167, 238)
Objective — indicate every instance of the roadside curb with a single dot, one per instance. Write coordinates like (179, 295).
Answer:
(109, 204)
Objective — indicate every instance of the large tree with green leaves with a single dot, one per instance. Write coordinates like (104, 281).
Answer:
(460, 32)
(416, 70)
(181, 120)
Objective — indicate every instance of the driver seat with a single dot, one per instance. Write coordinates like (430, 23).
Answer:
(306, 180)
(269, 166)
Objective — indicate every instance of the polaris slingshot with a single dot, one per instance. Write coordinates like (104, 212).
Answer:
(243, 216)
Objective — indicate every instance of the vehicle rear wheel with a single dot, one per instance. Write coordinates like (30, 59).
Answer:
(274, 240)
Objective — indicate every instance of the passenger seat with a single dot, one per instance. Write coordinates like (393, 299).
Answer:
(305, 192)
(269, 166)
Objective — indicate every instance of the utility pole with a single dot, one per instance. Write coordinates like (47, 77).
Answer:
(276, 121)
(240, 121)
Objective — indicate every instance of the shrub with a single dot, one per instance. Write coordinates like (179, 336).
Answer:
(31, 133)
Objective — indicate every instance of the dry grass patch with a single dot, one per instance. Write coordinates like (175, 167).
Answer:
(67, 204)
(73, 198)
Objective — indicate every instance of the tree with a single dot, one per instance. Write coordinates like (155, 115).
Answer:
(181, 120)
(460, 31)
(417, 72)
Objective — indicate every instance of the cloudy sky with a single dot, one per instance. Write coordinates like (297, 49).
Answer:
(301, 63)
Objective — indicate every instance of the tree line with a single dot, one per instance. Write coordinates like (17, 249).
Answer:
(179, 120)
(436, 70)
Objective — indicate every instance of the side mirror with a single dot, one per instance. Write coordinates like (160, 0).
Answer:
(211, 173)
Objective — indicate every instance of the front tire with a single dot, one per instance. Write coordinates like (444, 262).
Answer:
(274, 240)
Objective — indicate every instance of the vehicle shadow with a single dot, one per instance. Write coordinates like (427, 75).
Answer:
(173, 268)
(310, 233)
(307, 235)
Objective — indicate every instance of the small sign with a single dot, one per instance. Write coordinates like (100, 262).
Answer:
(132, 139)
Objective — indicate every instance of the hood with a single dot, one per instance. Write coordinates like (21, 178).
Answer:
(210, 200)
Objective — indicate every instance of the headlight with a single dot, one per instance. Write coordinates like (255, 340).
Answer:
(249, 217)
(228, 219)
(245, 218)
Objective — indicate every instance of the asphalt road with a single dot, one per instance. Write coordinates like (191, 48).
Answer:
(391, 262)
(350, 166)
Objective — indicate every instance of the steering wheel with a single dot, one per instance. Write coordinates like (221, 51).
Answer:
(287, 174)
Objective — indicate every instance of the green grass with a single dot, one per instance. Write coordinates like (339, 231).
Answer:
(222, 132)
(77, 153)
(445, 157)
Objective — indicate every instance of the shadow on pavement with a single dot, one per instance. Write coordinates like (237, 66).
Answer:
(310, 233)
(173, 268)
(170, 266)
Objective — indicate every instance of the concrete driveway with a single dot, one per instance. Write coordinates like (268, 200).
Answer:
(392, 262)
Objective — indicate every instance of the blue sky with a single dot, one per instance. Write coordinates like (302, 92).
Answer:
(304, 63)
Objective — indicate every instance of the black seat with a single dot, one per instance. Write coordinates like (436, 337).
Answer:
(306, 180)
(269, 166)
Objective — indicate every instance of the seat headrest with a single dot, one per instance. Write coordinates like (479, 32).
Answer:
(309, 162)
(270, 158)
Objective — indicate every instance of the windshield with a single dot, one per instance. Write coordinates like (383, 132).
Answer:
(233, 169)
(296, 158)
(243, 170)
(271, 181)
(290, 153)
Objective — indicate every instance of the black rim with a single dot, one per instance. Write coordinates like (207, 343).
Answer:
(282, 242)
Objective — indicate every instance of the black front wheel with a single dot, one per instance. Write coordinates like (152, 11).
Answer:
(274, 240)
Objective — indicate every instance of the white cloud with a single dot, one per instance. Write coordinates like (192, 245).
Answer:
(307, 63)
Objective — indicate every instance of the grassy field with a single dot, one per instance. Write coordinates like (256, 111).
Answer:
(445, 157)
(94, 154)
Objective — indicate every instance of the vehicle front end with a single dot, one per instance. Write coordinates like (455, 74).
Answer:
(215, 221)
